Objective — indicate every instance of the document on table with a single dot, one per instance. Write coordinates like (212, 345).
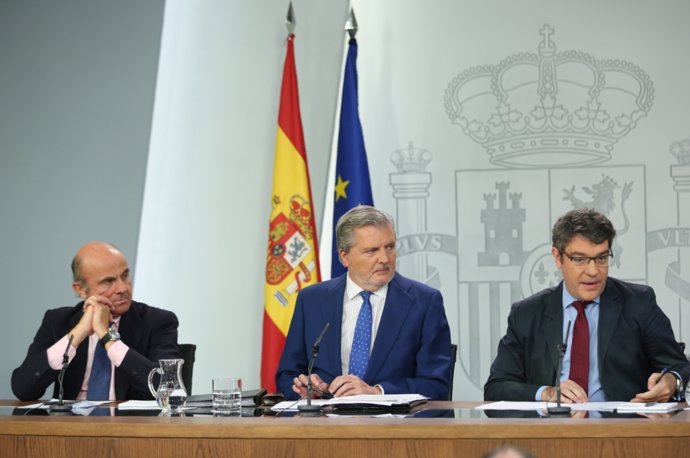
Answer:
(138, 405)
(611, 406)
(649, 407)
(364, 401)
(47, 404)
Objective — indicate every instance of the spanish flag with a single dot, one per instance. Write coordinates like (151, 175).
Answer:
(292, 258)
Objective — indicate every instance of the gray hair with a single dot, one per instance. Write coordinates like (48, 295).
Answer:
(359, 216)
(76, 270)
(585, 222)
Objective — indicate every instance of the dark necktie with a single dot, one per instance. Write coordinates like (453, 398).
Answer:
(359, 356)
(99, 380)
(579, 354)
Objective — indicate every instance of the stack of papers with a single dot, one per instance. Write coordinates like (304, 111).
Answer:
(54, 401)
(389, 402)
(615, 406)
(250, 398)
(650, 407)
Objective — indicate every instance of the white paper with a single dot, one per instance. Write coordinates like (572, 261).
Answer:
(385, 400)
(47, 404)
(138, 405)
(588, 406)
(648, 407)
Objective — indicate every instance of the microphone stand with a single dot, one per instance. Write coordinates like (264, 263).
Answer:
(559, 409)
(309, 409)
(62, 408)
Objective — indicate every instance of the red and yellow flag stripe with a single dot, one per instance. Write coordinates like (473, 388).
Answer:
(292, 256)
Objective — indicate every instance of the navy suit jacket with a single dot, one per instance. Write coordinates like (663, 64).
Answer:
(411, 353)
(149, 332)
(635, 340)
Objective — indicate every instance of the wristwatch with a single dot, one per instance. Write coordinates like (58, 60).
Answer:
(679, 387)
(110, 336)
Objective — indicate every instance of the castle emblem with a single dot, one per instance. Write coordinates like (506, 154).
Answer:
(503, 226)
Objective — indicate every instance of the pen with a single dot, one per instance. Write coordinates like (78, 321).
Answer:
(324, 394)
(664, 371)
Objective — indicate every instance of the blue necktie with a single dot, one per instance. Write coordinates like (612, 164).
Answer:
(361, 343)
(99, 380)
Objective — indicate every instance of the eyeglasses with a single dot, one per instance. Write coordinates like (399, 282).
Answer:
(582, 261)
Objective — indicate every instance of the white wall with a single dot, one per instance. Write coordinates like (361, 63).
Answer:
(205, 218)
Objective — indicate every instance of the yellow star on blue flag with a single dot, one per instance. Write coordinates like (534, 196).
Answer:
(352, 156)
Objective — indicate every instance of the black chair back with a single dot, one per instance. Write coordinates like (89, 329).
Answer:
(453, 359)
(187, 352)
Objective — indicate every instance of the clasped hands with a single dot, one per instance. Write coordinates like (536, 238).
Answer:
(343, 385)
(96, 318)
(660, 388)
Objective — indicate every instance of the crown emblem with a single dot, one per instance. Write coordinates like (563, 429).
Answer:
(411, 159)
(300, 214)
(550, 108)
(681, 150)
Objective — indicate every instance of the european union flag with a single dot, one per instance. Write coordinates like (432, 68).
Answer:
(352, 183)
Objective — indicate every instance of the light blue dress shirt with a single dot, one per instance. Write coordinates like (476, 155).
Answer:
(596, 394)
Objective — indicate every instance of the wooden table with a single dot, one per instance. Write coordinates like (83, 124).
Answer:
(352, 437)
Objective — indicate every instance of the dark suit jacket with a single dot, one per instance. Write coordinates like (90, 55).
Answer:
(149, 332)
(411, 353)
(635, 340)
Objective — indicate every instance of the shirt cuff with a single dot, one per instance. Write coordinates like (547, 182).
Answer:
(57, 350)
(537, 397)
(117, 352)
(380, 388)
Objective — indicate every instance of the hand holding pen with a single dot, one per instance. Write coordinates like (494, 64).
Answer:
(660, 388)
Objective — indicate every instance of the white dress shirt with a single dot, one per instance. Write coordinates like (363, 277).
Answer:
(352, 303)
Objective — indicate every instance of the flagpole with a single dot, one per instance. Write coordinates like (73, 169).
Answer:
(292, 261)
(327, 223)
(351, 182)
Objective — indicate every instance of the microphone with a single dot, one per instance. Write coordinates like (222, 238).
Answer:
(310, 410)
(61, 407)
(559, 409)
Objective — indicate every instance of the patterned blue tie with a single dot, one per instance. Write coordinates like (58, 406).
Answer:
(99, 380)
(361, 343)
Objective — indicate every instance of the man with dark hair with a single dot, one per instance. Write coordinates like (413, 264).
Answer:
(620, 345)
(115, 340)
(387, 334)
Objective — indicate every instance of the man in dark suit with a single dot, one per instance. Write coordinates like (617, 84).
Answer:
(408, 350)
(620, 346)
(134, 335)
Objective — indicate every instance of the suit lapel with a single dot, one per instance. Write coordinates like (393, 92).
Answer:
(553, 324)
(397, 307)
(76, 315)
(610, 308)
(333, 314)
(130, 322)
(74, 375)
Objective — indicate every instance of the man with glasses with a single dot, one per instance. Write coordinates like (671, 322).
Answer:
(620, 345)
